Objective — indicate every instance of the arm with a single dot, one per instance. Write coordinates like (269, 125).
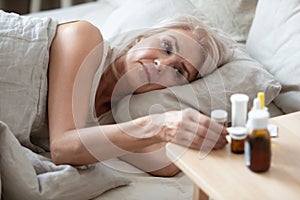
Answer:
(74, 43)
(69, 48)
(153, 159)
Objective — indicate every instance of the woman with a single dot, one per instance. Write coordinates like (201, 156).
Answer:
(154, 60)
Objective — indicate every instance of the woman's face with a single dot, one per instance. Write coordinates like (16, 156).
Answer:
(162, 60)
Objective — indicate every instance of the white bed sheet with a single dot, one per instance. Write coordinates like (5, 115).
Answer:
(146, 187)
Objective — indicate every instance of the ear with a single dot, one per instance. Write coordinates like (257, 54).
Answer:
(137, 40)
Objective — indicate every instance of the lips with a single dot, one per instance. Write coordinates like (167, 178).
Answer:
(146, 71)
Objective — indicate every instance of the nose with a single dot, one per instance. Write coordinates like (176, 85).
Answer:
(161, 64)
(157, 65)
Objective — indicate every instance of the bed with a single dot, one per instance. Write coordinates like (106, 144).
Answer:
(118, 179)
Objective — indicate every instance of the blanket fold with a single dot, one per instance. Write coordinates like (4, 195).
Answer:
(28, 175)
(25, 172)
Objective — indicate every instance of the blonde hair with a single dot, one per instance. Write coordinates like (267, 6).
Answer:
(215, 49)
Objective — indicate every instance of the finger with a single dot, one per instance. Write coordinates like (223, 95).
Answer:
(209, 133)
(196, 116)
(222, 140)
(209, 124)
(196, 140)
(215, 127)
(220, 145)
(205, 129)
(192, 141)
(212, 141)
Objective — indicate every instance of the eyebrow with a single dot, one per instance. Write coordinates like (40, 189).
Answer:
(176, 42)
(185, 69)
(177, 50)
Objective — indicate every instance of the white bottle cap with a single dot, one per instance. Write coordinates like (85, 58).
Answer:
(238, 133)
(219, 115)
(259, 119)
(239, 103)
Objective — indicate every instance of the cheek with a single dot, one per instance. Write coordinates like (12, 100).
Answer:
(131, 60)
(143, 50)
(135, 78)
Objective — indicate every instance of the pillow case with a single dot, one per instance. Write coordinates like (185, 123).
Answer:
(274, 40)
(233, 16)
(241, 74)
(137, 15)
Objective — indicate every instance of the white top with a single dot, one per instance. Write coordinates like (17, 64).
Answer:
(259, 119)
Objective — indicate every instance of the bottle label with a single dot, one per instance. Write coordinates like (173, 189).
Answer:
(247, 153)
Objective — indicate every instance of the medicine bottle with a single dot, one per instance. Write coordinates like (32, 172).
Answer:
(239, 105)
(258, 142)
(238, 135)
(219, 116)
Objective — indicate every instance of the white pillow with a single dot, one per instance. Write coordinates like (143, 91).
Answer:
(240, 75)
(113, 17)
(233, 16)
(133, 15)
(274, 40)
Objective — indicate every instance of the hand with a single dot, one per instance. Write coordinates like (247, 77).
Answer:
(192, 129)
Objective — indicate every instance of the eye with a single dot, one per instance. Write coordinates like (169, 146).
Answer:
(178, 72)
(167, 47)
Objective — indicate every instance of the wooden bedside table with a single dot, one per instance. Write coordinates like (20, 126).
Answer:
(224, 175)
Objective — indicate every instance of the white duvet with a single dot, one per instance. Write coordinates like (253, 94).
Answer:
(26, 171)
(27, 175)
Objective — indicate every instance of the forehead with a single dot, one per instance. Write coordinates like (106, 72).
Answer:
(188, 47)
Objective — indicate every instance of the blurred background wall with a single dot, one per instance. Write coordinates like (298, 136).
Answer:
(23, 6)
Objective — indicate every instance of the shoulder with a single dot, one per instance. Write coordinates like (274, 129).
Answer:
(77, 35)
(79, 28)
(76, 44)
(74, 41)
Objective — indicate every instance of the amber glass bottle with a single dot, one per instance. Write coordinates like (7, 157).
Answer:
(238, 135)
(258, 142)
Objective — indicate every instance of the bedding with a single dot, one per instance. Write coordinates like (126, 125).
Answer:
(275, 42)
(24, 167)
(233, 16)
(114, 17)
(27, 175)
(23, 83)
